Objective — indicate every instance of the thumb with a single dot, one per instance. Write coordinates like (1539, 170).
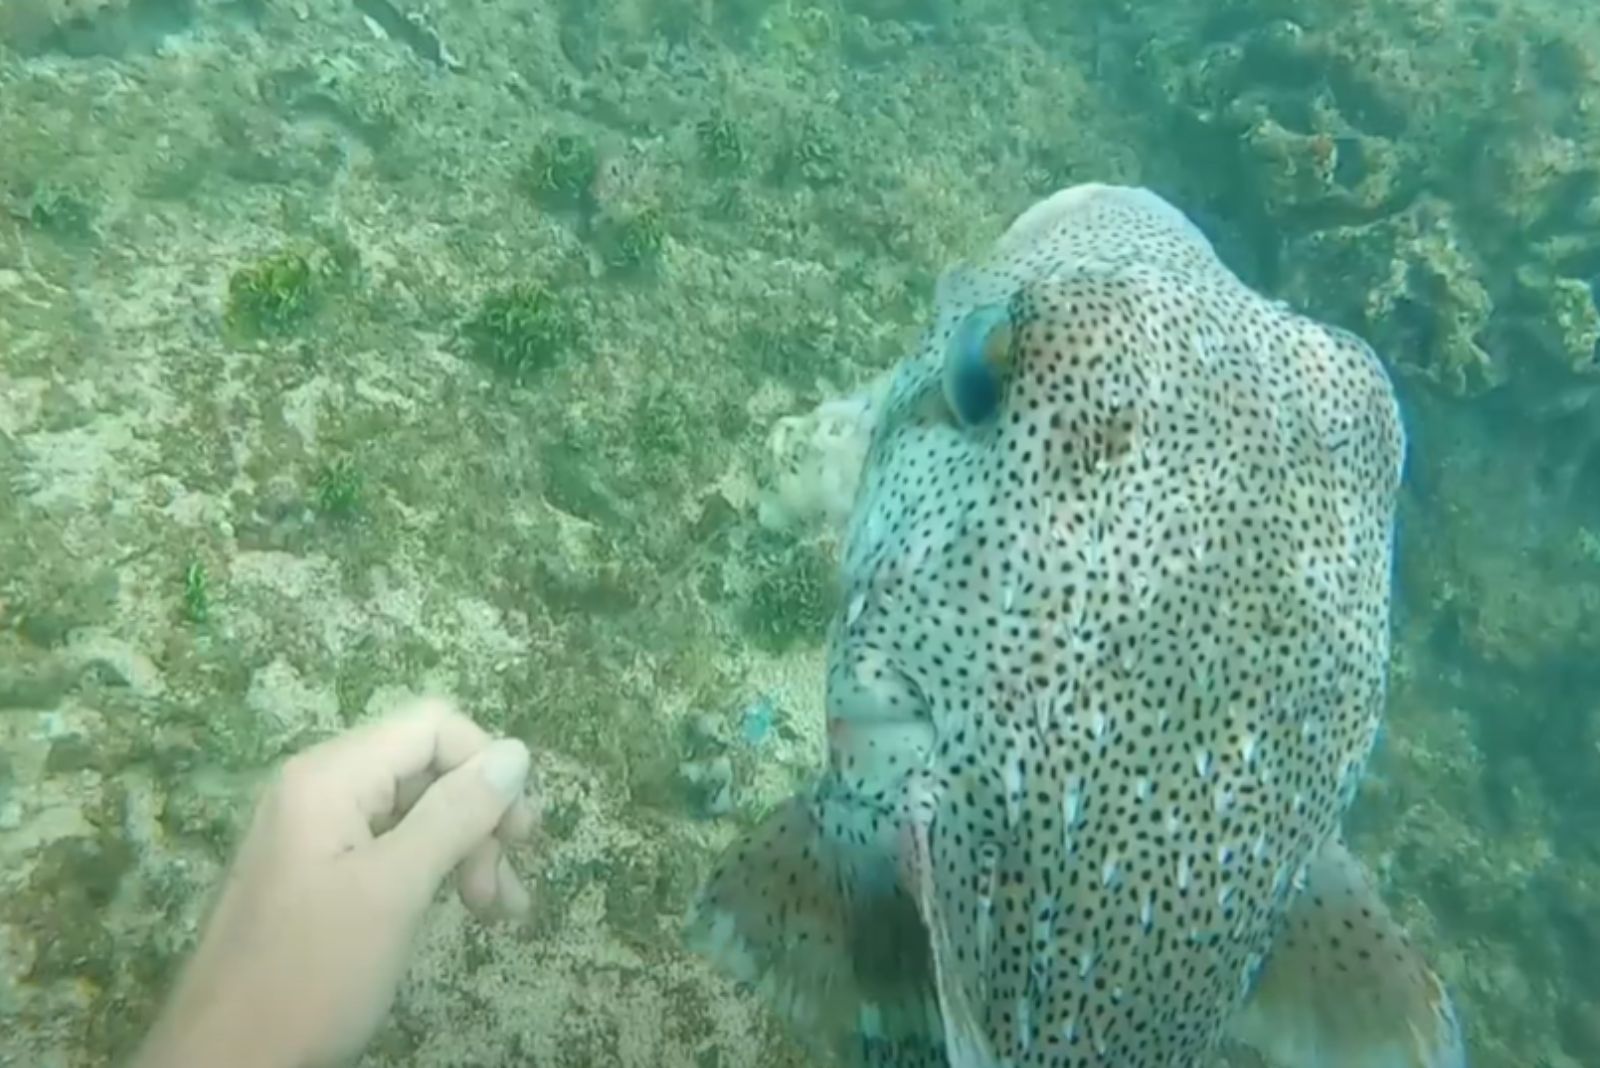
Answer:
(457, 812)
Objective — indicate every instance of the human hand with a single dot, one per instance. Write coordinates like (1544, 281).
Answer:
(301, 957)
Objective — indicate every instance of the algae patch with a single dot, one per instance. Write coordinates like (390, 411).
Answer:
(520, 330)
(561, 172)
(339, 488)
(196, 593)
(792, 599)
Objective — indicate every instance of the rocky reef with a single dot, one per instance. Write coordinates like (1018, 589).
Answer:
(1424, 172)
(355, 347)
(1433, 156)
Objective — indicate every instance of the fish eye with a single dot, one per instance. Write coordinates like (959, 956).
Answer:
(976, 362)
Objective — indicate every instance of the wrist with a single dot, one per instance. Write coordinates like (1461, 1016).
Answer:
(219, 1028)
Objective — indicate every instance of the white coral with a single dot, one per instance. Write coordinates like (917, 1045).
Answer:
(816, 462)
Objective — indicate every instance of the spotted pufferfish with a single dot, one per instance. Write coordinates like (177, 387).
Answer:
(1108, 666)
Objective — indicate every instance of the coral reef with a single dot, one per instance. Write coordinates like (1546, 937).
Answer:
(1433, 152)
(219, 552)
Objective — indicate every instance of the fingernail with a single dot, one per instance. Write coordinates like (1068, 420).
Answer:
(505, 767)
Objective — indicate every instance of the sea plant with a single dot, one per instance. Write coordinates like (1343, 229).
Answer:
(61, 208)
(521, 329)
(666, 424)
(720, 142)
(561, 170)
(339, 488)
(792, 599)
(196, 593)
(812, 154)
(634, 240)
(272, 295)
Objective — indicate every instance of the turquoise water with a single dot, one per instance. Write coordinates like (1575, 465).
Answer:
(350, 348)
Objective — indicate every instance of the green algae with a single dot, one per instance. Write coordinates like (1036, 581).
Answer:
(282, 294)
(793, 597)
(633, 241)
(339, 488)
(561, 171)
(63, 208)
(812, 154)
(196, 593)
(521, 330)
(271, 296)
(722, 145)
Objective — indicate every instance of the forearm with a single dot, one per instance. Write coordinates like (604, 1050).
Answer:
(205, 1029)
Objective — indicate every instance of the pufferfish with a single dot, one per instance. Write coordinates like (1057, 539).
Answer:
(1107, 669)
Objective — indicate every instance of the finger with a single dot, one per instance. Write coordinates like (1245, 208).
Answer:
(522, 819)
(425, 737)
(453, 816)
(409, 789)
(477, 878)
(517, 825)
(515, 902)
(345, 790)
(410, 735)
(406, 792)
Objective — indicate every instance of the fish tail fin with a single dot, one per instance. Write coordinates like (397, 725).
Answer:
(809, 910)
(1344, 987)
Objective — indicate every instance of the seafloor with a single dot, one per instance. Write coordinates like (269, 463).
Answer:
(357, 347)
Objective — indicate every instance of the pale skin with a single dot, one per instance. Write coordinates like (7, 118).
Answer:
(301, 956)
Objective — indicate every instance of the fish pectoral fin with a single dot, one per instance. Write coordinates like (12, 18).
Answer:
(966, 1046)
(1344, 987)
(808, 908)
